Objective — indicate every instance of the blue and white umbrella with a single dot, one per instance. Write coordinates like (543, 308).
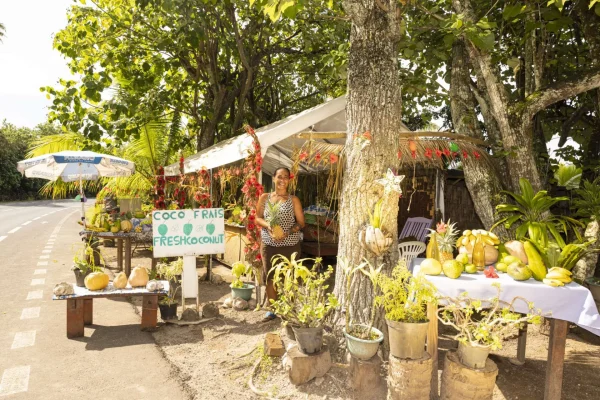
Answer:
(72, 166)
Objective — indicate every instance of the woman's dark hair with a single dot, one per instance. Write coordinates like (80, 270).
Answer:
(284, 168)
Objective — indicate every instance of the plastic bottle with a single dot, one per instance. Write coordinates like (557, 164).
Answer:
(479, 254)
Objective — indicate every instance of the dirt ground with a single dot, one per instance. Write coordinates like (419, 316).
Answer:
(215, 359)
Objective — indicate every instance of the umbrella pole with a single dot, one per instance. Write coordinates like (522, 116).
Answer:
(81, 198)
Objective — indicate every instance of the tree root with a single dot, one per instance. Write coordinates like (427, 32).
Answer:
(251, 383)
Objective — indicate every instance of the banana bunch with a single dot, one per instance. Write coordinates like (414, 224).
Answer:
(557, 277)
(469, 237)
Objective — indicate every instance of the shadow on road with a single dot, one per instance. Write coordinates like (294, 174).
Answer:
(106, 337)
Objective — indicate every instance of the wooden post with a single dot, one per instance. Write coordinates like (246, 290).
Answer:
(365, 375)
(460, 382)
(88, 311)
(521, 344)
(149, 315)
(409, 379)
(75, 318)
(127, 256)
(432, 347)
(556, 358)
(120, 254)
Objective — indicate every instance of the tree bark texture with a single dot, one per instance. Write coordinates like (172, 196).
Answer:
(586, 267)
(481, 178)
(373, 104)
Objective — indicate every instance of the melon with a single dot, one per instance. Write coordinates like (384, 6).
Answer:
(120, 281)
(452, 269)
(139, 277)
(126, 226)
(430, 266)
(96, 281)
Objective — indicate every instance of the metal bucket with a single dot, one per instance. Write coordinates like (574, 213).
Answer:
(407, 339)
(473, 356)
(310, 340)
(363, 349)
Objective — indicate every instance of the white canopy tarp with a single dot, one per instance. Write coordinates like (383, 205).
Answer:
(278, 140)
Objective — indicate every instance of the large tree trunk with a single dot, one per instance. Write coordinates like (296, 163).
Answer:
(374, 104)
(516, 134)
(481, 178)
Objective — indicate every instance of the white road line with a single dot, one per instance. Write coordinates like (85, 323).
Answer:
(29, 313)
(42, 257)
(48, 247)
(44, 222)
(36, 218)
(23, 339)
(15, 380)
(46, 251)
(26, 223)
(2, 238)
(52, 236)
(39, 281)
(42, 263)
(39, 272)
(35, 294)
(14, 230)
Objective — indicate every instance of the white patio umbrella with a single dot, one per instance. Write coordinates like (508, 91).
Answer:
(72, 166)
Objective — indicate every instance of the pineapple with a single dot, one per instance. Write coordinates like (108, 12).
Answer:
(446, 235)
(274, 221)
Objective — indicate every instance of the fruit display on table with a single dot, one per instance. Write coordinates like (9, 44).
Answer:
(466, 242)
(444, 235)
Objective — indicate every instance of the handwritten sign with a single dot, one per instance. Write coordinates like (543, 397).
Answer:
(188, 232)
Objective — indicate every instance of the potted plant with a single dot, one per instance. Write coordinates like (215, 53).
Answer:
(362, 340)
(83, 266)
(239, 288)
(169, 271)
(404, 298)
(483, 324)
(303, 300)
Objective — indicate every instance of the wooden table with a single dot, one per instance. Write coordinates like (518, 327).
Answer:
(80, 306)
(123, 240)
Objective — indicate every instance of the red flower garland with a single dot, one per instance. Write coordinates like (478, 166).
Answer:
(252, 190)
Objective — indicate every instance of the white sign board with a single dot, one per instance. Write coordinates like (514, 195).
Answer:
(188, 232)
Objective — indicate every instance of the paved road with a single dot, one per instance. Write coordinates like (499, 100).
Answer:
(115, 360)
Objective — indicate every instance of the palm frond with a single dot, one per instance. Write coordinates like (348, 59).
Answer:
(55, 143)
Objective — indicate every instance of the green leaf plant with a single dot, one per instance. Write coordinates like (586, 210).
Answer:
(169, 271)
(239, 269)
(483, 323)
(532, 212)
(303, 298)
(84, 260)
(405, 296)
(373, 274)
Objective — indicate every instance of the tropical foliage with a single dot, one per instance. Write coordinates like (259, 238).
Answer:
(532, 212)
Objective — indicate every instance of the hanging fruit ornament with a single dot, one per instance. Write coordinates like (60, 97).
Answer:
(428, 153)
(476, 154)
(465, 154)
(413, 148)
(399, 155)
(438, 153)
(454, 147)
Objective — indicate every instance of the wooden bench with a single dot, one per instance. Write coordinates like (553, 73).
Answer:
(80, 306)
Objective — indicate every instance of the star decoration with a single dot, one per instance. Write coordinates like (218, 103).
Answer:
(391, 182)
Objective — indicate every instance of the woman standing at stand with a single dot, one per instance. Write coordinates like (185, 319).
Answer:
(291, 220)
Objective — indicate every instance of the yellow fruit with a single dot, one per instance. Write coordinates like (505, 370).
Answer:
(126, 226)
(463, 258)
(446, 255)
(536, 265)
(491, 255)
(501, 267)
(518, 272)
(558, 275)
(452, 269)
(96, 281)
(553, 282)
(467, 233)
(120, 281)
(431, 266)
(139, 277)
(277, 232)
(470, 269)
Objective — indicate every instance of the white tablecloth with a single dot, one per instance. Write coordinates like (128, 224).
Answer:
(110, 289)
(571, 302)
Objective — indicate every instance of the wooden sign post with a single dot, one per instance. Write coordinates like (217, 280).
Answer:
(188, 233)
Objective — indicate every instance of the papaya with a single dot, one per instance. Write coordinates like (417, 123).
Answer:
(536, 265)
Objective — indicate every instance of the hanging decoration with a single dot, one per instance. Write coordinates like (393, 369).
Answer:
(391, 182)
(413, 148)
(202, 189)
(363, 140)
(252, 191)
(454, 147)
(159, 189)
